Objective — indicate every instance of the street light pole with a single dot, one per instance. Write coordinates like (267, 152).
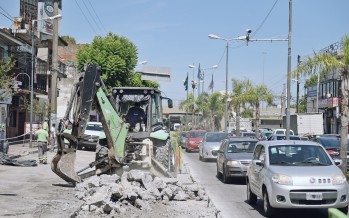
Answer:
(32, 74)
(288, 114)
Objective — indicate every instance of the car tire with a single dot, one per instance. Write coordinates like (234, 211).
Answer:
(187, 150)
(200, 157)
(344, 210)
(218, 173)
(269, 211)
(225, 178)
(251, 198)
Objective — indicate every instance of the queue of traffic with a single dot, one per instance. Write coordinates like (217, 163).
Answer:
(301, 172)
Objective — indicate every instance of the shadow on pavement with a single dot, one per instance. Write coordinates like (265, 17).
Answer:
(292, 213)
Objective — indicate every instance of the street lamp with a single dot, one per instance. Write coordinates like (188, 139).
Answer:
(31, 100)
(32, 74)
(212, 36)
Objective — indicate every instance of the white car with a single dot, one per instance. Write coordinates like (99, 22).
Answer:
(295, 174)
(93, 135)
(282, 131)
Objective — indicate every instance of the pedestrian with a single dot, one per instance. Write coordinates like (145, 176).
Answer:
(53, 137)
(61, 126)
(45, 125)
(67, 130)
(43, 140)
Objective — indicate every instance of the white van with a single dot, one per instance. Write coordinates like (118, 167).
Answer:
(282, 131)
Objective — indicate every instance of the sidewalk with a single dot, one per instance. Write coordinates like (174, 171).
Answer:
(21, 149)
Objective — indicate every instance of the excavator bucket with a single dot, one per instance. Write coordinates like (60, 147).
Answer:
(63, 162)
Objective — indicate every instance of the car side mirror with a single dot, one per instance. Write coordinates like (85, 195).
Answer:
(338, 162)
(259, 163)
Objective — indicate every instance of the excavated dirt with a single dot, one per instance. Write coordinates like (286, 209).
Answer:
(38, 192)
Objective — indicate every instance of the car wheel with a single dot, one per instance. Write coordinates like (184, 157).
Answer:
(187, 149)
(251, 198)
(224, 176)
(344, 210)
(218, 173)
(268, 210)
(200, 157)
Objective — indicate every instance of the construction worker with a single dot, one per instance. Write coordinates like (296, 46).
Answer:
(68, 129)
(45, 125)
(43, 140)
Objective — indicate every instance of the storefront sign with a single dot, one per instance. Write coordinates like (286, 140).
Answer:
(329, 102)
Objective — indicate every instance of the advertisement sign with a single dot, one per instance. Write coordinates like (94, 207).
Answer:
(46, 10)
(27, 127)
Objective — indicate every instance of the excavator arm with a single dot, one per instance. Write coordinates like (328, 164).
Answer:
(89, 90)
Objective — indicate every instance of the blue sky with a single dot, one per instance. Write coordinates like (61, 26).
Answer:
(175, 34)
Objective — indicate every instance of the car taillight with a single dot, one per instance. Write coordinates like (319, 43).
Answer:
(332, 152)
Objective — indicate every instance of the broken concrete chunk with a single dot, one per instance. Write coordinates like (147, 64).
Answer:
(108, 179)
(181, 196)
(167, 192)
(142, 205)
(159, 183)
(172, 181)
(107, 208)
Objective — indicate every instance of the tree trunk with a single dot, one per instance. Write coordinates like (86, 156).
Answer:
(344, 123)
(237, 126)
(257, 119)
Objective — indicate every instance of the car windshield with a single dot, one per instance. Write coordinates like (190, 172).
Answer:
(94, 127)
(197, 134)
(298, 155)
(183, 133)
(249, 134)
(330, 142)
(241, 147)
(216, 137)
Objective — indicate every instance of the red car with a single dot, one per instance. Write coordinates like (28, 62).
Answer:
(194, 138)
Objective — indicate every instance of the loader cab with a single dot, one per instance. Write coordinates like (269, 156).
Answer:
(150, 101)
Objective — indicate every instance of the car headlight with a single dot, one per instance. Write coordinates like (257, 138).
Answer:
(233, 163)
(282, 179)
(338, 179)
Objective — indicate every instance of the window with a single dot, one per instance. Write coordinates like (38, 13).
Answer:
(13, 119)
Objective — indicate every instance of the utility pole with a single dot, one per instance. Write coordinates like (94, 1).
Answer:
(297, 102)
(289, 72)
(54, 72)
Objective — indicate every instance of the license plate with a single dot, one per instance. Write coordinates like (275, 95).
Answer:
(91, 140)
(314, 196)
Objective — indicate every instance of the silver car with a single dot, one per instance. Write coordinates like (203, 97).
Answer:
(211, 142)
(234, 157)
(295, 174)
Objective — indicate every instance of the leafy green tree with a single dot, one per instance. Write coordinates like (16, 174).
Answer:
(247, 113)
(202, 106)
(216, 110)
(239, 97)
(116, 55)
(6, 80)
(323, 63)
(188, 105)
(302, 105)
(69, 39)
(257, 94)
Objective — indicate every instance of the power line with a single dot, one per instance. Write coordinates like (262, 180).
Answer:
(6, 12)
(91, 16)
(265, 19)
(7, 16)
(97, 16)
(86, 18)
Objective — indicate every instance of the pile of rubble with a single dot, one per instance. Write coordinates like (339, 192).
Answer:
(111, 195)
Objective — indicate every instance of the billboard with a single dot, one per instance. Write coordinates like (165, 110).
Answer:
(46, 10)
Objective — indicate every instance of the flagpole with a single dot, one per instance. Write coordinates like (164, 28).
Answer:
(187, 86)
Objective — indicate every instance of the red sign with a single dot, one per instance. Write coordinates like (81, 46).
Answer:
(329, 102)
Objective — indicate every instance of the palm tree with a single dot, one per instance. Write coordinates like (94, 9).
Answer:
(323, 63)
(188, 105)
(239, 97)
(202, 106)
(216, 109)
(257, 94)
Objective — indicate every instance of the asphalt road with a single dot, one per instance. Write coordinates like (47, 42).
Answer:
(230, 198)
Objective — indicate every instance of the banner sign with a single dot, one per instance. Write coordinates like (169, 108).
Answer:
(46, 10)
